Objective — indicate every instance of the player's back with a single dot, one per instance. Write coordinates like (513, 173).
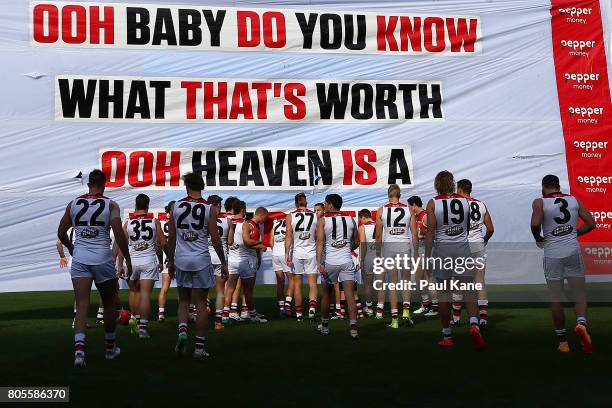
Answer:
(560, 225)
(478, 211)
(452, 219)
(304, 224)
(142, 238)
(339, 232)
(238, 250)
(223, 229)
(369, 229)
(91, 215)
(279, 231)
(396, 223)
(191, 222)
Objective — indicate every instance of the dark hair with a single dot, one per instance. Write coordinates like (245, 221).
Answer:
(229, 203)
(551, 181)
(365, 213)
(142, 202)
(214, 199)
(194, 181)
(96, 178)
(238, 206)
(335, 200)
(394, 190)
(319, 205)
(170, 204)
(415, 200)
(465, 185)
(300, 197)
(444, 182)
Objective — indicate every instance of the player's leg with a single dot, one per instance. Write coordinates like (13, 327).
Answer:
(445, 316)
(368, 289)
(578, 289)
(199, 295)
(312, 295)
(82, 291)
(337, 302)
(163, 296)
(146, 287)
(483, 302)
(470, 297)
(230, 288)
(280, 291)
(297, 294)
(108, 291)
(433, 295)
(392, 277)
(184, 298)
(236, 296)
(326, 296)
(420, 276)
(100, 314)
(407, 277)
(289, 294)
(219, 298)
(380, 296)
(134, 302)
(348, 287)
(192, 309)
(555, 288)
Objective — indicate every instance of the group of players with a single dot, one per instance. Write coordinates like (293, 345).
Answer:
(206, 247)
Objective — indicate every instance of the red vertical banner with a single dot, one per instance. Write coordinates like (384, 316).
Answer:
(586, 116)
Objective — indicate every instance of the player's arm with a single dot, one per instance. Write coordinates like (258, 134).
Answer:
(288, 240)
(60, 251)
(230, 233)
(171, 242)
(415, 235)
(537, 216)
(355, 237)
(488, 222)
(120, 236)
(431, 228)
(62, 230)
(378, 231)
(215, 239)
(588, 222)
(320, 242)
(363, 248)
(161, 244)
(246, 237)
(119, 254)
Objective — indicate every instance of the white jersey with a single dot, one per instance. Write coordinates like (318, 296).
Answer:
(238, 251)
(452, 218)
(223, 228)
(396, 223)
(91, 215)
(304, 224)
(142, 239)
(478, 211)
(279, 230)
(370, 231)
(190, 217)
(560, 225)
(339, 232)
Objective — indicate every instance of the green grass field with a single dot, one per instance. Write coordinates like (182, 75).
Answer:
(285, 363)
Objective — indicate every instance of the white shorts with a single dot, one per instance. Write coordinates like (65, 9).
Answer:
(279, 264)
(245, 267)
(392, 249)
(560, 268)
(305, 266)
(146, 271)
(340, 273)
(201, 279)
(100, 273)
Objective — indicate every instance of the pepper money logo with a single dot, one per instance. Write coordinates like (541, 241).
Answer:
(603, 219)
(575, 15)
(581, 81)
(595, 184)
(591, 149)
